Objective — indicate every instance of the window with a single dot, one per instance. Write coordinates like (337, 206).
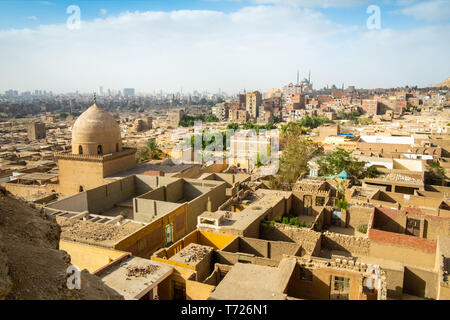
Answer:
(341, 284)
(306, 274)
(81, 189)
(99, 149)
(117, 147)
(320, 201)
(413, 227)
(80, 150)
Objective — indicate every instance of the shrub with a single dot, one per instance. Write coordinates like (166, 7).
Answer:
(291, 213)
(342, 204)
(362, 228)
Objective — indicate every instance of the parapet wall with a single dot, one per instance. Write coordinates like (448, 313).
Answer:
(356, 246)
(309, 239)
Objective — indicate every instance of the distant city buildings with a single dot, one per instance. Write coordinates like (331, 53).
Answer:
(128, 92)
(253, 102)
(200, 228)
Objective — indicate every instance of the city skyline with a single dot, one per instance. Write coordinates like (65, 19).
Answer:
(214, 44)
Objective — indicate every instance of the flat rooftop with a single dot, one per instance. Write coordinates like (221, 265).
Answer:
(249, 282)
(167, 167)
(397, 178)
(262, 201)
(37, 176)
(134, 277)
(89, 232)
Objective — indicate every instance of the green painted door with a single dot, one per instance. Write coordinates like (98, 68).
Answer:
(169, 238)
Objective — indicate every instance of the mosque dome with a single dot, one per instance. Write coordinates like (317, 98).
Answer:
(96, 132)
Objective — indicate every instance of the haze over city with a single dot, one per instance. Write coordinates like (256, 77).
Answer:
(227, 45)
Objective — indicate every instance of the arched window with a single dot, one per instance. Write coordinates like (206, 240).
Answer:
(117, 147)
(81, 189)
(99, 149)
(80, 150)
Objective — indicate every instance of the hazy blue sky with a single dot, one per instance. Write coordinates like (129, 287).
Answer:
(227, 44)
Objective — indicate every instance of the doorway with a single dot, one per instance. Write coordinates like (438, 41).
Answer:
(336, 218)
(169, 235)
(179, 291)
(307, 205)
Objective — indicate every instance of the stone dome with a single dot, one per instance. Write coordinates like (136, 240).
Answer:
(96, 132)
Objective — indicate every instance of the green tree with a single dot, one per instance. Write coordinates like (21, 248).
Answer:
(314, 121)
(152, 150)
(248, 125)
(371, 172)
(233, 126)
(290, 128)
(269, 126)
(339, 160)
(352, 115)
(211, 118)
(294, 160)
(436, 172)
(342, 204)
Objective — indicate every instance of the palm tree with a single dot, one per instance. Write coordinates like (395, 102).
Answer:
(152, 150)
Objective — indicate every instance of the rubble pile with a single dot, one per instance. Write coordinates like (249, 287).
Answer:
(399, 177)
(194, 253)
(138, 271)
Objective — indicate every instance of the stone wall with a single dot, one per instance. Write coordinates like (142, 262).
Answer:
(323, 269)
(358, 216)
(309, 239)
(356, 246)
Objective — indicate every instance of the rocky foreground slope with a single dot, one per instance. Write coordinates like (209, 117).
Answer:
(31, 266)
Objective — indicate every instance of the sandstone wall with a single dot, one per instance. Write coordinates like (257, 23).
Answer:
(356, 246)
(309, 239)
